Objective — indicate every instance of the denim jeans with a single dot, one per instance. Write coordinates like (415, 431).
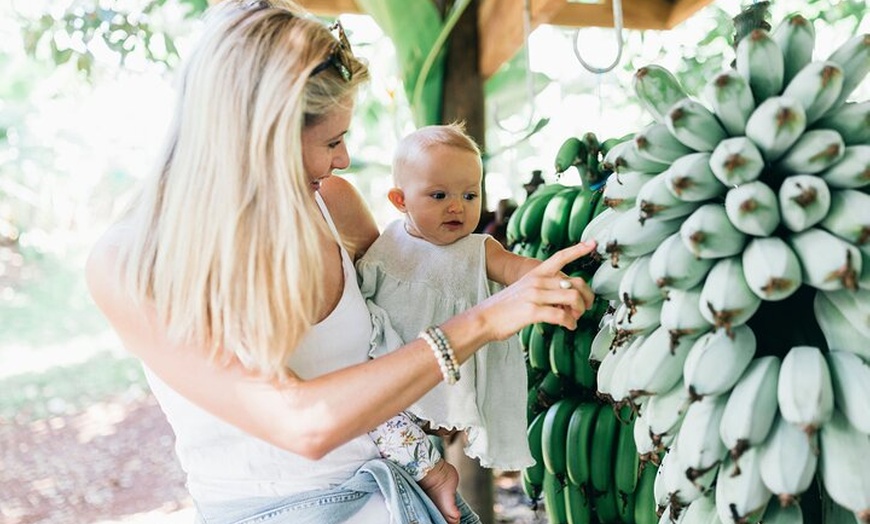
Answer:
(406, 501)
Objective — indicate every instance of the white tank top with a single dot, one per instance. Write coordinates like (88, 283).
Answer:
(224, 463)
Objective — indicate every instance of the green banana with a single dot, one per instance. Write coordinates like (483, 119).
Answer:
(606, 507)
(549, 390)
(626, 462)
(645, 503)
(582, 208)
(572, 153)
(753, 208)
(736, 161)
(815, 151)
(816, 87)
(604, 437)
(775, 125)
(731, 99)
(849, 216)
(691, 179)
(539, 350)
(708, 233)
(656, 142)
(561, 354)
(554, 434)
(554, 499)
(535, 472)
(656, 200)
(584, 375)
(578, 442)
(804, 200)
(557, 213)
(578, 507)
(852, 171)
(624, 156)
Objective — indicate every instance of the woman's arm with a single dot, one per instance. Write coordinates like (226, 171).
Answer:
(351, 215)
(313, 417)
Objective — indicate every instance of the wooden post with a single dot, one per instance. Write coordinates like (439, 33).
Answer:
(463, 100)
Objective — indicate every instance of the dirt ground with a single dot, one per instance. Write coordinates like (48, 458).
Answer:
(114, 463)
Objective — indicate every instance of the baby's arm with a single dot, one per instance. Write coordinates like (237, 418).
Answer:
(402, 441)
(505, 267)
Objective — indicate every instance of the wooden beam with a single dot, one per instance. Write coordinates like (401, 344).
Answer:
(636, 14)
(500, 25)
(331, 7)
(683, 9)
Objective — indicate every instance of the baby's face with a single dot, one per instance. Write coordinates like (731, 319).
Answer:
(442, 194)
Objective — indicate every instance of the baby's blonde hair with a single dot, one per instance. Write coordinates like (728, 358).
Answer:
(418, 142)
(226, 236)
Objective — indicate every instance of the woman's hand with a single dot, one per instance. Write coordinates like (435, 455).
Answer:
(542, 295)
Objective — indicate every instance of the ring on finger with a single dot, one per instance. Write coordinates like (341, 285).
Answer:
(565, 284)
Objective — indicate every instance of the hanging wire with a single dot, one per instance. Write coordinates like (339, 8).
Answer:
(617, 25)
(530, 88)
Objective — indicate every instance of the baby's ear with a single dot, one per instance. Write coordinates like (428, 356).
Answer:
(397, 198)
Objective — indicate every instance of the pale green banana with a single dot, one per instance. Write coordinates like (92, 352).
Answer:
(598, 227)
(853, 56)
(827, 262)
(775, 125)
(760, 61)
(655, 142)
(851, 120)
(699, 447)
(753, 208)
(701, 511)
(708, 233)
(631, 237)
(796, 38)
(657, 365)
(804, 200)
(621, 189)
(849, 216)
(731, 99)
(664, 413)
(682, 317)
(656, 201)
(743, 497)
(674, 266)
(771, 268)
(726, 299)
(657, 89)
(844, 465)
(691, 180)
(838, 331)
(624, 156)
(788, 461)
(804, 390)
(855, 306)
(852, 171)
(751, 407)
(637, 286)
(777, 514)
(850, 376)
(736, 160)
(605, 282)
(816, 87)
(694, 125)
(815, 151)
(717, 360)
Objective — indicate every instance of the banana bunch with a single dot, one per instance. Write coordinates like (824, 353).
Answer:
(734, 252)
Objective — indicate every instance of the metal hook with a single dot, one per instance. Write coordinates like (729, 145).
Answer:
(530, 90)
(617, 25)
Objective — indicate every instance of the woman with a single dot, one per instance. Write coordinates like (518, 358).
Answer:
(232, 280)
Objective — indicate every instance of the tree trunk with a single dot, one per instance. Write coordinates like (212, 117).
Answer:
(463, 101)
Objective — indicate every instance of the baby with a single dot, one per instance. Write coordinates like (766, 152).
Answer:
(422, 270)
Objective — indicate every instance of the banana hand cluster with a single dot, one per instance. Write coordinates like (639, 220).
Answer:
(734, 257)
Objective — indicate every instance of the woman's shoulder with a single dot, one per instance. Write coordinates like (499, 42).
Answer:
(102, 268)
(350, 213)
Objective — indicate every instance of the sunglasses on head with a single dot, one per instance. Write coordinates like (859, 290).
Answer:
(339, 57)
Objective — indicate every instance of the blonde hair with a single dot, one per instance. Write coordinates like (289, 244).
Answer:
(226, 235)
(427, 137)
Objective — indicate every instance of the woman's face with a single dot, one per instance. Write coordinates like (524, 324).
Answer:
(323, 146)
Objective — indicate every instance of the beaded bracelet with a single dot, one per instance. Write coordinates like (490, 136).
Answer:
(443, 353)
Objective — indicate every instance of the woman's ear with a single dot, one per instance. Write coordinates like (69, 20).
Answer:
(397, 198)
